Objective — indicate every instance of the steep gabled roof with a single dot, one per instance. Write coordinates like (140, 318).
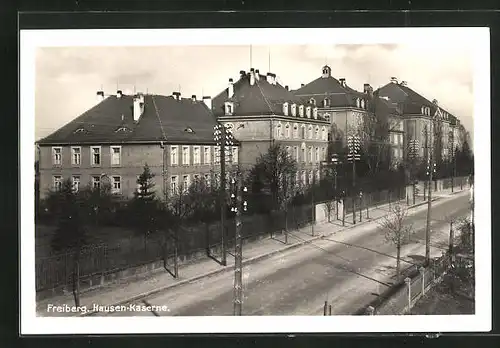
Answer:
(329, 87)
(262, 98)
(164, 119)
(412, 101)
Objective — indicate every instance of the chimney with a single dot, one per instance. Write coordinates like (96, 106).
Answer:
(208, 102)
(257, 74)
(394, 80)
(252, 77)
(100, 96)
(230, 89)
(176, 95)
(193, 97)
(302, 85)
(342, 82)
(271, 78)
(138, 106)
(119, 94)
(242, 73)
(368, 89)
(286, 87)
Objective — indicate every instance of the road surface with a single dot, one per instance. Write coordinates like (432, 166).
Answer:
(347, 269)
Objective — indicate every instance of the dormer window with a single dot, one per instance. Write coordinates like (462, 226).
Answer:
(229, 108)
(189, 130)
(326, 102)
(358, 103)
(79, 130)
(301, 110)
(122, 129)
(285, 109)
(362, 103)
(294, 110)
(315, 113)
(312, 101)
(308, 112)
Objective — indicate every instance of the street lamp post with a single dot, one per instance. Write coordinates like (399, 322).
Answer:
(431, 168)
(335, 161)
(414, 148)
(223, 137)
(354, 145)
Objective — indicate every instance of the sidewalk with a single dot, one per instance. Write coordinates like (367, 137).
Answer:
(134, 288)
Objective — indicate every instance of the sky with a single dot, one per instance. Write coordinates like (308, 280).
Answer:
(67, 78)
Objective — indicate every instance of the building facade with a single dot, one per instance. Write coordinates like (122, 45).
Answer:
(349, 110)
(343, 107)
(418, 114)
(113, 141)
(261, 112)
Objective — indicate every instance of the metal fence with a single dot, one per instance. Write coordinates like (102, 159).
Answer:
(407, 293)
(57, 270)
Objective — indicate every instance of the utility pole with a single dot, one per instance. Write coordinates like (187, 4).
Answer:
(313, 213)
(223, 137)
(414, 147)
(431, 167)
(353, 144)
(238, 206)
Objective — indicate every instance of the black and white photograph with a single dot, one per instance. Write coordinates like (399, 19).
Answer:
(253, 180)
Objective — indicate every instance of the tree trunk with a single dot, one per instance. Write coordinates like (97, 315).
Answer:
(398, 261)
(76, 278)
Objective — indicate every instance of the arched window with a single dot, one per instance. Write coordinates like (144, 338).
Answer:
(316, 133)
(287, 130)
(301, 110)
(278, 131)
(285, 109)
(303, 131)
(324, 136)
(310, 135)
(295, 131)
(357, 102)
(294, 110)
(326, 102)
(315, 113)
(308, 112)
(362, 103)
(312, 101)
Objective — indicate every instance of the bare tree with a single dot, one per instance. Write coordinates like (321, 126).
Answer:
(374, 130)
(397, 231)
(274, 171)
(329, 208)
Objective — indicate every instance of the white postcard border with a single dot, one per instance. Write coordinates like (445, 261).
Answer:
(480, 321)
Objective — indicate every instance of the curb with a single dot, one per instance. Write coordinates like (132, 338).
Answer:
(244, 262)
(205, 275)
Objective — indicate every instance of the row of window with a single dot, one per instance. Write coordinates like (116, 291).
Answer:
(231, 154)
(116, 155)
(303, 134)
(96, 180)
(293, 110)
(95, 155)
(313, 155)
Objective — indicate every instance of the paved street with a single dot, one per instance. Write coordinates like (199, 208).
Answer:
(348, 270)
